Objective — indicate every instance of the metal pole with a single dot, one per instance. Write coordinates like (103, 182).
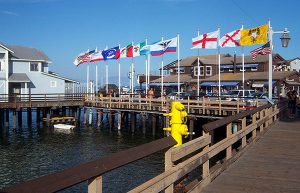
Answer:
(106, 77)
(161, 72)
(198, 71)
(178, 66)
(219, 64)
(270, 61)
(87, 77)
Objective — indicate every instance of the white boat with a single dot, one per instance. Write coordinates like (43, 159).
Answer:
(64, 126)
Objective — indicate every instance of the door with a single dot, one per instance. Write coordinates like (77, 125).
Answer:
(14, 91)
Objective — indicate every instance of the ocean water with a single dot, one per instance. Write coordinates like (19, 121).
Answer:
(28, 153)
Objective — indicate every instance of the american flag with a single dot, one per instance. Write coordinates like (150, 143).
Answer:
(263, 50)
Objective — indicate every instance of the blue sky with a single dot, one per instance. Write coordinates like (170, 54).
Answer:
(64, 28)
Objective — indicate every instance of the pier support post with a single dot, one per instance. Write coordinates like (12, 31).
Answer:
(20, 117)
(14, 120)
(98, 118)
(133, 120)
(38, 116)
(143, 118)
(6, 118)
(29, 117)
(119, 120)
(63, 111)
(191, 128)
(48, 117)
(90, 116)
(1, 118)
(84, 116)
(153, 124)
(78, 111)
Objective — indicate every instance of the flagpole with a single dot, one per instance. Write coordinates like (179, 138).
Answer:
(132, 69)
(148, 58)
(162, 76)
(146, 61)
(87, 77)
(96, 77)
(106, 76)
(178, 66)
(270, 86)
(219, 65)
(198, 71)
(243, 68)
(119, 74)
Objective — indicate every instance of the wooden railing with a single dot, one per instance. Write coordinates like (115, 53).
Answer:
(203, 152)
(36, 100)
(162, 104)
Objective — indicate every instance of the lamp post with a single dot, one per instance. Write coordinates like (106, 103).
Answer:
(284, 41)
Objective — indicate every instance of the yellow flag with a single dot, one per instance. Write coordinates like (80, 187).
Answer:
(256, 35)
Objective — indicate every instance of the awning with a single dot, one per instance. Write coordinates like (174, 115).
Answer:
(165, 84)
(212, 84)
(18, 77)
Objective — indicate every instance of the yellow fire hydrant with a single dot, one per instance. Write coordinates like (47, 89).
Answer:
(178, 122)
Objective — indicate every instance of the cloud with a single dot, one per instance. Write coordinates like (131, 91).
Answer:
(9, 13)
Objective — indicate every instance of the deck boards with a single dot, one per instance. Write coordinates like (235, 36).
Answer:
(271, 165)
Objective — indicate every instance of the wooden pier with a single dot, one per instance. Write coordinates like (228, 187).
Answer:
(270, 165)
(262, 142)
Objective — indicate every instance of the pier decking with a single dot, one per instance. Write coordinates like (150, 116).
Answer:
(272, 164)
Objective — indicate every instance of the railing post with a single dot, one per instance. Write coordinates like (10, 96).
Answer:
(276, 115)
(244, 142)
(205, 166)
(95, 185)
(228, 134)
(188, 105)
(261, 116)
(253, 122)
(169, 165)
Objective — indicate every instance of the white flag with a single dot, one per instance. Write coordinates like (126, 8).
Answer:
(231, 39)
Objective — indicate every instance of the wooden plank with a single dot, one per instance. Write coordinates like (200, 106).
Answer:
(189, 147)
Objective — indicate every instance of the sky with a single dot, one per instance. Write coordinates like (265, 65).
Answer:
(64, 28)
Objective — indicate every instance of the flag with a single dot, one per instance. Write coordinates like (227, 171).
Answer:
(231, 39)
(96, 56)
(263, 50)
(162, 47)
(256, 35)
(123, 52)
(144, 49)
(136, 50)
(83, 57)
(111, 54)
(207, 41)
(129, 50)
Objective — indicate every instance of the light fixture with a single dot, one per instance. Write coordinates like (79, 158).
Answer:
(285, 38)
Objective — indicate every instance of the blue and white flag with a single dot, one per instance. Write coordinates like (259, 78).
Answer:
(111, 54)
(163, 47)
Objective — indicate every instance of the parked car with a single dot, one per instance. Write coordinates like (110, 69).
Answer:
(234, 95)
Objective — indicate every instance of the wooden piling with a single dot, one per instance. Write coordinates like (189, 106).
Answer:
(84, 116)
(38, 116)
(6, 118)
(153, 124)
(143, 119)
(90, 116)
(20, 117)
(48, 117)
(133, 121)
(119, 120)
(14, 120)
(29, 117)
(98, 118)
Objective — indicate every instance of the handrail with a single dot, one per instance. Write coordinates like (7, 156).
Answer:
(222, 122)
(75, 175)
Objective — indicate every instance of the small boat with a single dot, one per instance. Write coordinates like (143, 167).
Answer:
(63, 126)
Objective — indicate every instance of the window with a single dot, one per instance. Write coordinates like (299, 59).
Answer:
(52, 84)
(201, 71)
(221, 69)
(208, 71)
(181, 70)
(34, 67)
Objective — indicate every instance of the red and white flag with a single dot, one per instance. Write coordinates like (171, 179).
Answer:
(231, 39)
(207, 41)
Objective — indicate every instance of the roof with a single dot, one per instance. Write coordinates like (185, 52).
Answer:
(277, 75)
(60, 77)
(173, 78)
(18, 77)
(26, 53)
(225, 59)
